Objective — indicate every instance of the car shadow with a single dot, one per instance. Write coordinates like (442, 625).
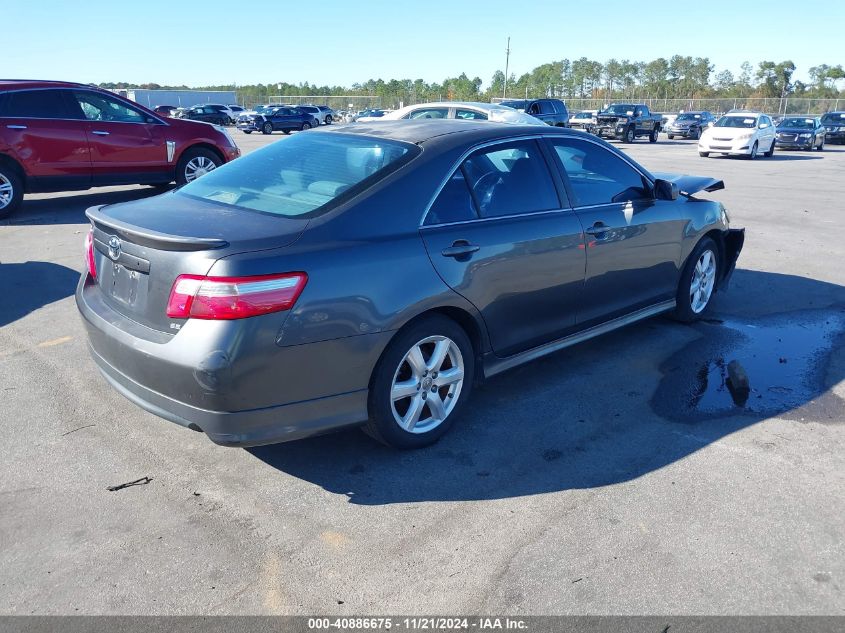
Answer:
(27, 286)
(585, 417)
(70, 209)
(777, 157)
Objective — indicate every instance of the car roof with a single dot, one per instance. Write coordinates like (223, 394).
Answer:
(419, 131)
(23, 84)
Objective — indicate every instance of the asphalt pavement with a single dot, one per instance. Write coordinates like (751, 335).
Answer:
(615, 477)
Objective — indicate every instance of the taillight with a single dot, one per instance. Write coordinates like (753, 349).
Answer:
(198, 297)
(89, 254)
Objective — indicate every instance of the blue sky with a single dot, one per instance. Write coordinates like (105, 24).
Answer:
(339, 43)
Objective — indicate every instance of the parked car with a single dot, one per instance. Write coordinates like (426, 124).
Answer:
(369, 114)
(164, 110)
(463, 110)
(314, 111)
(207, 113)
(834, 124)
(800, 132)
(744, 134)
(270, 120)
(400, 264)
(627, 121)
(60, 136)
(236, 111)
(584, 120)
(327, 115)
(551, 111)
(224, 108)
(689, 124)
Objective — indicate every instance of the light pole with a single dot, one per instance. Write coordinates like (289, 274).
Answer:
(507, 59)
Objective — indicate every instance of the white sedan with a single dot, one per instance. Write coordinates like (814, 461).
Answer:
(461, 110)
(739, 134)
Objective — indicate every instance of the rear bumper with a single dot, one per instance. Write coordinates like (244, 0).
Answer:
(232, 380)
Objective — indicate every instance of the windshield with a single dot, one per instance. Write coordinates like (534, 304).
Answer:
(737, 121)
(583, 115)
(688, 117)
(798, 122)
(295, 176)
(834, 117)
(620, 108)
(516, 105)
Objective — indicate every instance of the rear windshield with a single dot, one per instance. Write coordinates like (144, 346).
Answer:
(301, 175)
(737, 121)
(834, 117)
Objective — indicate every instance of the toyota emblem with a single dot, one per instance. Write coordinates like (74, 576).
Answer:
(114, 248)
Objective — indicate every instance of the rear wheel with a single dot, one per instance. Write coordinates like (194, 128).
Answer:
(11, 190)
(420, 384)
(328, 119)
(698, 282)
(305, 126)
(196, 162)
(247, 131)
(267, 128)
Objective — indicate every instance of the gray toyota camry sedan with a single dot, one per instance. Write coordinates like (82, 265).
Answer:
(371, 275)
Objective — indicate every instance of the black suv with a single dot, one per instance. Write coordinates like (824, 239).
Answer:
(551, 111)
(208, 113)
(284, 118)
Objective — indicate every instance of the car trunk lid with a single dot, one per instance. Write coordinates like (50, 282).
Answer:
(141, 247)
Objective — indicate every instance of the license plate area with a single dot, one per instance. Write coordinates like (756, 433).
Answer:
(124, 284)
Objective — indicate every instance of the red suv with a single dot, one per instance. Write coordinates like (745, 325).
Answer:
(58, 136)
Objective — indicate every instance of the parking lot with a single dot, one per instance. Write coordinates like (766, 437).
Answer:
(615, 477)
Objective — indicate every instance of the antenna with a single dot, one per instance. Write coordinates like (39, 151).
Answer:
(507, 59)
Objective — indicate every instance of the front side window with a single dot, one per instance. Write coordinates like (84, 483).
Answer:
(35, 104)
(470, 114)
(97, 107)
(429, 113)
(300, 176)
(510, 179)
(597, 176)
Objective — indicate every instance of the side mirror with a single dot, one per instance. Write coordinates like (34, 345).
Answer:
(665, 190)
(711, 124)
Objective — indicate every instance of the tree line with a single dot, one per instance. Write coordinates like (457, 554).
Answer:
(679, 77)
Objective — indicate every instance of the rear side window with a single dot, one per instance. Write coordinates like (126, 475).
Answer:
(597, 176)
(300, 175)
(510, 179)
(429, 113)
(470, 114)
(35, 104)
(454, 203)
(546, 107)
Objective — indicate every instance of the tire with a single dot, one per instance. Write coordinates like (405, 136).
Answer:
(328, 120)
(704, 154)
(193, 160)
(305, 126)
(697, 134)
(753, 153)
(286, 131)
(630, 135)
(247, 131)
(689, 306)
(267, 128)
(671, 136)
(11, 190)
(395, 369)
(771, 151)
(652, 138)
(821, 145)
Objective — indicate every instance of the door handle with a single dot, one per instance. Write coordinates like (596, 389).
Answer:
(99, 132)
(460, 248)
(16, 127)
(597, 229)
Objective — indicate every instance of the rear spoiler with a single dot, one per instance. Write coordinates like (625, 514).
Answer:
(151, 239)
(692, 184)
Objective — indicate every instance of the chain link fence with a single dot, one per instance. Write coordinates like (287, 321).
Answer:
(336, 102)
(790, 105)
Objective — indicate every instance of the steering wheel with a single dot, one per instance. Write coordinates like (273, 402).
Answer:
(484, 188)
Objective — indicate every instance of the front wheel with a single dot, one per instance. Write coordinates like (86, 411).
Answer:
(11, 190)
(704, 154)
(698, 282)
(196, 162)
(671, 136)
(630, 135)
(247, 131)
(753, 153)
(420, 384)
(267, 128)
(771, 151)
(652, 138)
(821, 145)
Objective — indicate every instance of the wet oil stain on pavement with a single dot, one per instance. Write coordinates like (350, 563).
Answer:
(784, 358)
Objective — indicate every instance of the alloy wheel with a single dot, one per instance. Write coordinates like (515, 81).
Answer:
(703, 281)
(427, 384)
(7, 192)
(198, 166)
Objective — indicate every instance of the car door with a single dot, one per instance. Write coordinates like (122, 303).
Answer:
(500, 235)
(39, 131)
(767, 131)
(127, 144)
(633, 242)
